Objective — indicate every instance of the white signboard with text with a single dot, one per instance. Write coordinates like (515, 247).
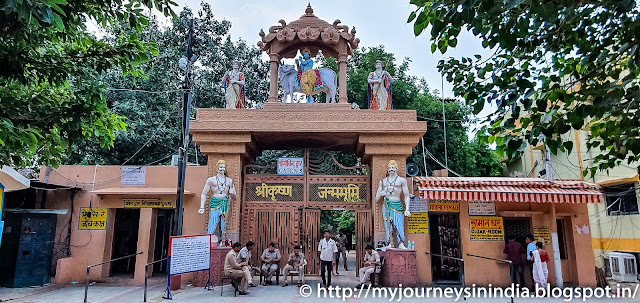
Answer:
(482, 208)
(133, 175)
(418, 204)
(291, 166)
(189, 253)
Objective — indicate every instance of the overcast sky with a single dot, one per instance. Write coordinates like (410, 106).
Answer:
(377, 22)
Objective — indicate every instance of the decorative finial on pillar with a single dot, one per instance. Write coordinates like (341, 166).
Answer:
(309, 10)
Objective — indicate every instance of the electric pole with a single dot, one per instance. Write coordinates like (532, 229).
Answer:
(554, 225)
(186, 63)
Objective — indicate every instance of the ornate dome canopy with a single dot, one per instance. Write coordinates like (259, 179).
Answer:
(311, 32)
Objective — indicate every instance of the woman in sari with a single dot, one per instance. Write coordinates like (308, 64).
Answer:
(540, 272)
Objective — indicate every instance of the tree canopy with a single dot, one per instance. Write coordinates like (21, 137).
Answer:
(556, 66)
(50, 98)
(153, 119)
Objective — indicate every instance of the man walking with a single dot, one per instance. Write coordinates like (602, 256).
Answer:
(514, 251)
(327, 250)
(341, 242)
(270, 259)
(371, 259)
(233, 269)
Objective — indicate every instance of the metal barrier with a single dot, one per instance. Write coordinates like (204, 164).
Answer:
(86, 285)
(493, 259)
(461, 272)
(146, 275)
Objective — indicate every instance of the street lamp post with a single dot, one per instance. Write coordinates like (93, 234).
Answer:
(186, 64)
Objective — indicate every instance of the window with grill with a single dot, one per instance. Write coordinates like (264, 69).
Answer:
(621, 200)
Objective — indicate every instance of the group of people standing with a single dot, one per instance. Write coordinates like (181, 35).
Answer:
(536, 258)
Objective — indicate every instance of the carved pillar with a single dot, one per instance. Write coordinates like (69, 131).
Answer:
(342, 76)
(379, 149)
(273, 76)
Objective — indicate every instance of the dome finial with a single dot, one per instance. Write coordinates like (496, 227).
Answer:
(309, 10)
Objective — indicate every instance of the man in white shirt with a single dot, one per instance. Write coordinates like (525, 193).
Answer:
(371, 259)
(327, 250)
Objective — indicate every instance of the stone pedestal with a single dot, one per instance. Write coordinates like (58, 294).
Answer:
(199, 278)
(399, 268)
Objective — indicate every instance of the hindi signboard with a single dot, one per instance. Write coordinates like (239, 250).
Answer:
(418, 204)
(148, 203)
(418, 223)
(444, 206)
(541, 232)
(92, 218)
(133, 175)
(486, 228)
(189, 253)
(290, 166)
(482, 208)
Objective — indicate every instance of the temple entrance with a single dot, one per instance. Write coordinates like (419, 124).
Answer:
(445, 241)
(287, 209)
(125, 241)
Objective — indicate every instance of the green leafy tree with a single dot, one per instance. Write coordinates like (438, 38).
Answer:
(471, 159)
(50, 96)
(153, 119)
(557, 66)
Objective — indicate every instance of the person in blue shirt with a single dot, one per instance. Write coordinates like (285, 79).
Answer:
(531, 246)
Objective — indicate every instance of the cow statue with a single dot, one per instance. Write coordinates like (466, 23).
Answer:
(307, 80)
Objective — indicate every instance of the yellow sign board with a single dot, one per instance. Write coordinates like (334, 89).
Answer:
(541, 232)
(148, 203)
(92, 218)
(418, 223)
(271, 191)
(349, 193)
(444, 206)
(486, 228)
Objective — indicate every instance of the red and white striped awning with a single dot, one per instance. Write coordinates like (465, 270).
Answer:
(532, 190)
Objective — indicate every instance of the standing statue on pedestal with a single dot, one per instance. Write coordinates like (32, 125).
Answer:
(379, 88)
(233, 83)
(390, 189)
(222, 187)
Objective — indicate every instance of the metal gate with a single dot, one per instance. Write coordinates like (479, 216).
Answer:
(286, 209)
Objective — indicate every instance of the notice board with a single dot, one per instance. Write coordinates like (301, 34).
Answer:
(418, 223)
(189, 253)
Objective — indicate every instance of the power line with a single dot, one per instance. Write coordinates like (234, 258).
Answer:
(436, 160)
(144, 91)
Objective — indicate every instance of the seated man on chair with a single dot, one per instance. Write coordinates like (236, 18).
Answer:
(233, 268)
(296, 262)
(371, 259)
(270, 263)
(244, 256)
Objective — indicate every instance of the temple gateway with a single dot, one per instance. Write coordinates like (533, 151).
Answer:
(285, 209)
(458, 225)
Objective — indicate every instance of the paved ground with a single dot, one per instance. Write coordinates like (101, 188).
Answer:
(123, 293)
